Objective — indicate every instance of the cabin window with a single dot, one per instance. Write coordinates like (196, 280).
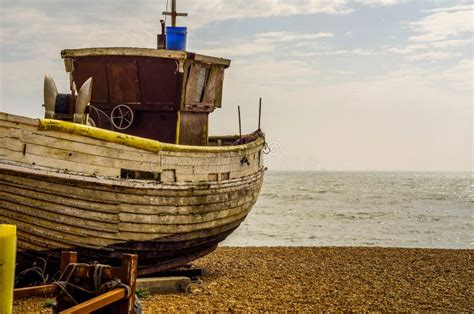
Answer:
(196, 84)
(139, 175)
(200, 84)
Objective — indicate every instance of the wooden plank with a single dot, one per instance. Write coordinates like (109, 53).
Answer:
(18, 119)
(93, 142)
(142, 52)
(117, 152)
(191, 83)
(87, 156)
(184, 172)
(61, 222)
(39, 291)
(212, 60)
(180, 205)
(211, 90)
(194, 235)
(88, 220)
(100, 137)
(62, 236)
(125, 51)
(144, 221)
(67, 257)
(23, 125)
(123, 195)
(141, 213)
(25, 244)
(76, 208)
(60, 214)
(58, 164)
(132, 209)
(145, 232)
(138, 142)
(97, 302)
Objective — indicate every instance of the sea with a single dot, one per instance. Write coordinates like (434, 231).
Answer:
(386, 209)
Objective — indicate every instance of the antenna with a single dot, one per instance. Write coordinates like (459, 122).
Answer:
(240, 126)
(259, 113)
(173, 13)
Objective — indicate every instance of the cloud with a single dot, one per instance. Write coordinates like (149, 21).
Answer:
(468, 7)
(458, 77)
(433, 55)
(290, 36)
(218, 10)
(445, 23)
(429, 51)
(265, 42)
(442, 35)
(380, 2)
(425, 86)
(335, 52)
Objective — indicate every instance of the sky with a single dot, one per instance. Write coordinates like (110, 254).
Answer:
(363, 85)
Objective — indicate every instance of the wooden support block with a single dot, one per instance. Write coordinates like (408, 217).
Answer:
(67, 258)
(191, 273)
(129, 270)
(164, 284)
(127, 273)
(98, 302)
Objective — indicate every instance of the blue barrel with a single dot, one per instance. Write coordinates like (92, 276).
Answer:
(176, 38)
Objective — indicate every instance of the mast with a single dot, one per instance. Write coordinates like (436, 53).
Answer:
(174, 13)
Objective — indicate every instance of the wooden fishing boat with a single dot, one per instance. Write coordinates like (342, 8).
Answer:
(125, 165)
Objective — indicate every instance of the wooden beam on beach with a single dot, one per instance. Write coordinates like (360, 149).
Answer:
(98, 302)
(191, 273)
(164, 284)
(39, 291)
(127, 274)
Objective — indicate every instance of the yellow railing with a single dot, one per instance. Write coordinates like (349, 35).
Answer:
(138, 142)
(7, 267)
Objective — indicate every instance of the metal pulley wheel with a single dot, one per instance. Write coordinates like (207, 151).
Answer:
(122, 117)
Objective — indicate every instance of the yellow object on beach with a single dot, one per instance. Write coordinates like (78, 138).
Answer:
(135, 141)
(7, 267)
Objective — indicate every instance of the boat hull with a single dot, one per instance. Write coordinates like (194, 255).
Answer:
(68, 191)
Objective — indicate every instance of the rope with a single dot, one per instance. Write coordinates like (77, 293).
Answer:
(99, 287)
(62, 284)
(266, 148)
(40, 271)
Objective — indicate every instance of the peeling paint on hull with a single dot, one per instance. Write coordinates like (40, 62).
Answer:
(66, 191)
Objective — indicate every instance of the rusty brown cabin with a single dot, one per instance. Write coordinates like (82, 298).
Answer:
(171, 93)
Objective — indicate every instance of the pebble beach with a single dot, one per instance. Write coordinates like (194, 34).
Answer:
(277, 279)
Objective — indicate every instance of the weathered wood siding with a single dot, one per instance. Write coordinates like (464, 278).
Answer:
(64, 190)
(21, 141)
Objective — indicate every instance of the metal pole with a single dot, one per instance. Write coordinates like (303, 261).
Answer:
(259, 112)
(7, 267)
(240, 125)
(173, 10)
